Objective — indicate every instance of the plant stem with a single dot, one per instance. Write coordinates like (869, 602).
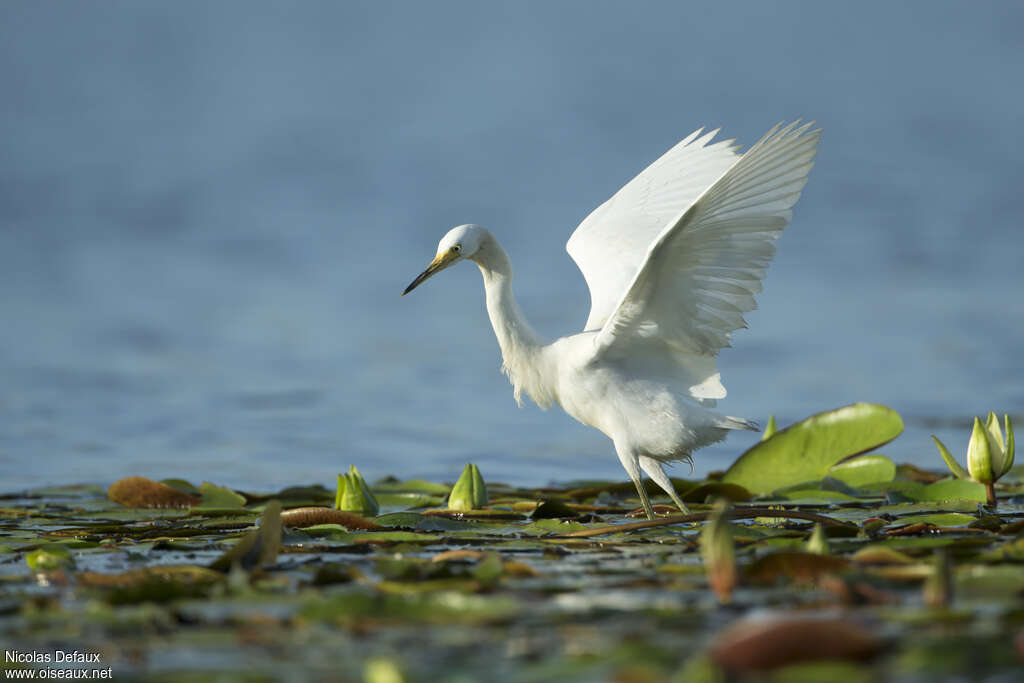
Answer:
(990, 491)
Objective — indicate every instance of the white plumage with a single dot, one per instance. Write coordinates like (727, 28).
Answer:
(673, 261)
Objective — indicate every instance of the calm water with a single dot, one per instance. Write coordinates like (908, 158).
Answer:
(208, 211)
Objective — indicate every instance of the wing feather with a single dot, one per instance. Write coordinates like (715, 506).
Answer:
(701, 272)
(611, 244)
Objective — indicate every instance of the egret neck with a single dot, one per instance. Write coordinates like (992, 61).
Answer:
(522, 350)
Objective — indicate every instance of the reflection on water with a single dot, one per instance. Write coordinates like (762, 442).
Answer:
(207, 220)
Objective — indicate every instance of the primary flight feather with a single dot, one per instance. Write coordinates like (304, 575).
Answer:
(673, 261)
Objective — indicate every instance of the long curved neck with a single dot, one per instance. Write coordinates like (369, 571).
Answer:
(521, 347)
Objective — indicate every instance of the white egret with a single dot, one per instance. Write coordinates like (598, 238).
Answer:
(673, 261)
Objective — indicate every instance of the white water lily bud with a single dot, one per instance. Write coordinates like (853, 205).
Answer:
(354, 495)
(979, 455)
(469, 492)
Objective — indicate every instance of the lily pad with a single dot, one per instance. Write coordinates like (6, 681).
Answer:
(952, 489)
(806, 451)
(143, 492)
(219, 497)
(867, 469)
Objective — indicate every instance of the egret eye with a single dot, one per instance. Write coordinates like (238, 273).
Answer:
(456, 249)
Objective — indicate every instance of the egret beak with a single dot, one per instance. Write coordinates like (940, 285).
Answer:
(440, 262)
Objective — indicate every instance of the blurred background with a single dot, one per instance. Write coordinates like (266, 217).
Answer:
(208, 211)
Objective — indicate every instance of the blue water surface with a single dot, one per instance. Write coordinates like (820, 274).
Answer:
(208, 211)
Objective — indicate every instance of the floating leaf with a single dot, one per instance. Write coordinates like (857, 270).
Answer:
(770, 428)
(142, 492)
(153, 584)
(880, 553)
(314, 516)
(220, 497)
(805, 451)
(866, 469)
(794, 565)
(942, 519)
(952, 489)
(716, 489)
(552, 509)
(762, 644)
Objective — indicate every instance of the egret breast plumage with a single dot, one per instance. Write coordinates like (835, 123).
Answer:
(672, 260)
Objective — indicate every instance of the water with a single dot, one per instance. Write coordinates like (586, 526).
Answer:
(208, 210)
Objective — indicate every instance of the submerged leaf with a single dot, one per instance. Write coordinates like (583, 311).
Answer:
(805, 451)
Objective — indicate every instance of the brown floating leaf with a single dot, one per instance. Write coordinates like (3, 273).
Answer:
(796, 565)
(852, 591)
(312, 516)
(764, 644)
(880, 554)
(517, 568)
(458, 554)
(140, 492)
(153, 584)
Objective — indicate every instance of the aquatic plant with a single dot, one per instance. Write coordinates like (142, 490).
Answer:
(470, 491)
(354, 495)
(989, 456)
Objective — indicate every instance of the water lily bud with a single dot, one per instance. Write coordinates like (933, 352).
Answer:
(354, 495)
(979, 455)
(719, 553)
(469, 492)
(1002, 451)
(49, 557)
(1008, 458)
(818, 542)
(938, 587)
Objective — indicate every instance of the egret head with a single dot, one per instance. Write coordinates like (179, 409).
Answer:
(459, 244)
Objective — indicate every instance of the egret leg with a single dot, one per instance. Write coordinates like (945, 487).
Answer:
(631, 462)
(655, 471)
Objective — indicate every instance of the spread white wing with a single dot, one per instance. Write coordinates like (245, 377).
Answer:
(611, 244)
(699, 273)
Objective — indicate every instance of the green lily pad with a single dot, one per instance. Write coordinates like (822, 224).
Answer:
(952, 489)
(867, 469)
(944, 519)
(410, 486)
(219, 497)
(807, 450)
(815, 495)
